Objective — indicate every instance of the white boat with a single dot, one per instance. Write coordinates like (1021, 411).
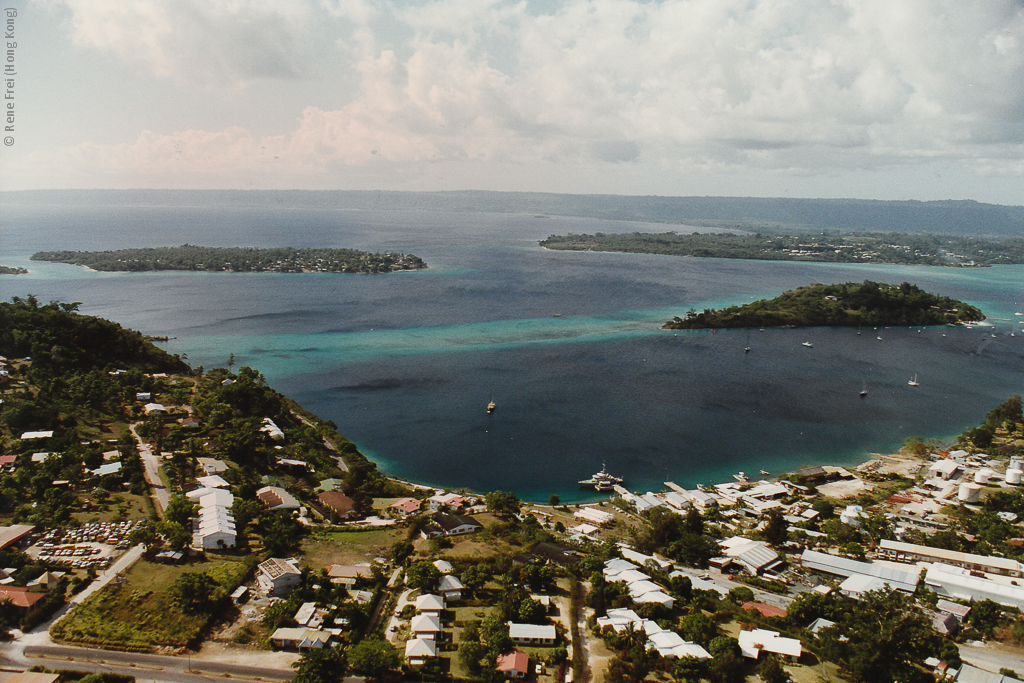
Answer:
(808, 344)
(601, 481)
(740, 477)
(913, 381)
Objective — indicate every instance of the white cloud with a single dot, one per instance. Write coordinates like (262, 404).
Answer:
(214, 44)
(676, 86)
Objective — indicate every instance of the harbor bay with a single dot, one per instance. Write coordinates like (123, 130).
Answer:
(568, 346)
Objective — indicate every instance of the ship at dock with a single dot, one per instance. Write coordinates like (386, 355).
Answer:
(601, 481)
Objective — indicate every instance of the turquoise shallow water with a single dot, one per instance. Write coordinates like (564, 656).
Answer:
(568, 345)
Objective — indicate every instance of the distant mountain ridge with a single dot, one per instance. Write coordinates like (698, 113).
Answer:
(955, 217)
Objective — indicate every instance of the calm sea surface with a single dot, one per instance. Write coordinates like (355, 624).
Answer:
(568, 345)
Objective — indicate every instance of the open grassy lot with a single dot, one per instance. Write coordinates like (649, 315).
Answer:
(139, 614)
(349, 547)
(119, 507)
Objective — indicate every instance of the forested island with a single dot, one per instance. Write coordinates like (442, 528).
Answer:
(830, 247)
(841, 305)
(237, 260)
(8, 270)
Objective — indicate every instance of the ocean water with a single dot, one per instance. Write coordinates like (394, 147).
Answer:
(568, 345)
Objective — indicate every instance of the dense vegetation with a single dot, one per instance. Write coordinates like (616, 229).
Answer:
(8, 270)
(840, 305)
(831, 247)
(237, 259)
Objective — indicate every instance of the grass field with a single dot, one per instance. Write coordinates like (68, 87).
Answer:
(139, 614)
(119, 507)
(349, 547)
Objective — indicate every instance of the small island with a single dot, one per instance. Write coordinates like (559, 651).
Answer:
(841, 305)
(828, 247)
(9, 270)
(237, 260)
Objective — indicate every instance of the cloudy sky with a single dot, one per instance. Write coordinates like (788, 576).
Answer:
(886, 99)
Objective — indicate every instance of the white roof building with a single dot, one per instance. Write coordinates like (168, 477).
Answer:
(961, 584)
(536, 634)
(593, 515)
(272, 430)
(418, 650)
(428, 603)
(752, 643)
(670, 644)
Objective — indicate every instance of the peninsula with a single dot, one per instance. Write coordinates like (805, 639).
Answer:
(237, 260)
(841, 305)
(15, 270)
(826, 247)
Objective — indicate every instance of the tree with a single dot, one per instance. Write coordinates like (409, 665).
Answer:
(689, 669)
(554, 500)
(886, 633)
(775, 530)
(771, 671)
(195, 591)
(698, 628)
(422, 575)
(502, 503)
(374, 658)
(327, 665)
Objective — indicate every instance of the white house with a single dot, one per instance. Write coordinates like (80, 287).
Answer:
(430, 604)
(278, 577)
(418, 650)
(425, 626)
(450, 587)
(753, 643)
(532, 634)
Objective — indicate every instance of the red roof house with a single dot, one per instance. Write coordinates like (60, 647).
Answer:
(515, 664)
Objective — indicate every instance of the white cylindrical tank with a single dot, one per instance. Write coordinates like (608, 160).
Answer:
(1013, 477)
(1016, 463)
(969, 493)
(982, 475)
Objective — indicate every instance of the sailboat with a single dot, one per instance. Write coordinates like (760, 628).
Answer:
(864, 390)
(746, 349)
(491, 407)
(913, 381)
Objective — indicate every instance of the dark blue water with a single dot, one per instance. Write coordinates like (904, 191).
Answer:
(568, 345)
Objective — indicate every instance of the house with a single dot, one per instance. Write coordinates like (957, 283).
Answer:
(191, 423)
(154, 408)
(754, 556)
(445, 500)
(532, 634)
(963, 584)
(753, 643)
(765, 610)
(338, 505)
(108, 469)
(28, 436)
(457, 525)
(23, 599)
(443, 566)
(405, 506)
(301, 639)
(213, 466)
(450, 587)
(276, 498)
(349, 574)
(430, 604)
(945, 469)
(330, 484)
(672, 646)
(425, 626)
(309, 616)
(418, 650)
(556, 553)
(278, 577)
(213, 481)
(272, 430)
(8, 462)
(515, 664)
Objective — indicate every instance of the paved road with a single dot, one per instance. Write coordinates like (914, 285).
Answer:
(151, 470)
(154, 663)
(992, 657)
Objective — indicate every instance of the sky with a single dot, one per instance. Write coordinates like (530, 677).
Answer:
(873, 99)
